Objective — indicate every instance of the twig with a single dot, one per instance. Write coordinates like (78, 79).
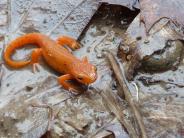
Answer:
(23, 17)
(137, 91)
(4, 45)
(1, 63)
(150, 81)
(164, 17)
(99, 129)
(121, 79)
(94, 44)
(9, 16)
(61, 21)
(115, 108)
(1, 74)
(79, 21)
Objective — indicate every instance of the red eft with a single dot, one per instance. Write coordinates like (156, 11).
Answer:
(56, 56)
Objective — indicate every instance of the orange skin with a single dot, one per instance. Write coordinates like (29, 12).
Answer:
(58, 57)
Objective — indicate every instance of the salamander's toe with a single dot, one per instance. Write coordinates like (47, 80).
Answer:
(76, 45)
(35, 68)
(74, 91)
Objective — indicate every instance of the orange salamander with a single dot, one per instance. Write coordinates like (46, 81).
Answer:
(58, 57)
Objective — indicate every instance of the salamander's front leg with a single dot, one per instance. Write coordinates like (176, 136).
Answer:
(68, 41)
(85, 59)
(63, 81)
(35, 58)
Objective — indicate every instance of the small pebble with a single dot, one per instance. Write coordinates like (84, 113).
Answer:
(168, 87)
(124, 48)
(45, 21)
(171, 80)
(99, 55)
(146, 41)
(129, 57)
(123, 22)
(138, 38)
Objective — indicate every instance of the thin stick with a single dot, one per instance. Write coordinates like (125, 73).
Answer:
(9, 16)
(121, 79)
(1, 63)
(1, 74)
(115, 108)
(62, 20)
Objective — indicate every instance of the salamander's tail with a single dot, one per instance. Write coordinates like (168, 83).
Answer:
(32, 38)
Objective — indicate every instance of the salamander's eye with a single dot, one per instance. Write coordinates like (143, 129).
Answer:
(95, 68)
(80, 77)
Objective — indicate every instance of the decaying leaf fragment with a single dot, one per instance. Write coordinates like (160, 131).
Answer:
(160, 43)
(131, 4)
(154, 10)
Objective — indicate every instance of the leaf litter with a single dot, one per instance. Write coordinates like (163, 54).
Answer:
(23, 93)
(82, 115)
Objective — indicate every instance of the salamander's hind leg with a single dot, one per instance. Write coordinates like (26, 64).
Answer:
(68, 41)
(63, 81)
(35, 58)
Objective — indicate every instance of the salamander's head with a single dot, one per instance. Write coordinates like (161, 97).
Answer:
(84, 72)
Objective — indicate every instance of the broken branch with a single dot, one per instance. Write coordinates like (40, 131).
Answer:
(128, 97)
